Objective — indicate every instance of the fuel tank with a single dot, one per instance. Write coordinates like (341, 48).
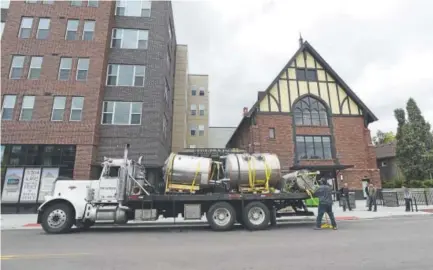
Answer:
(239, 168)
(182, 169)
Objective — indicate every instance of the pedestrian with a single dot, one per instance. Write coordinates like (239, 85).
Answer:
(367, 198)
(324, 193)
(372, 194)
(344, 193)
(407, 198)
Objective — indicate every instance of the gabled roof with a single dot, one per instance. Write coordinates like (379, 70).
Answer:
(307, 47)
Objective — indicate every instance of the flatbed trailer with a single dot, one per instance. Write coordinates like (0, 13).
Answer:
(84, 202)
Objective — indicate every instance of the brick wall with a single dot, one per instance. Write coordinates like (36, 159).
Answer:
(352, 142)
(41, 130)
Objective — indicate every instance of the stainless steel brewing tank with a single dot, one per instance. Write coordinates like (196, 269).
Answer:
(182, 169)
(236, 167)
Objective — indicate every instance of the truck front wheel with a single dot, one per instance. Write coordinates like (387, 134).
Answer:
(57, 218)
(256, 216)
(221, 216)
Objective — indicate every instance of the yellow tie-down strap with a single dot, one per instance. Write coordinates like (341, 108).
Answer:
(252, 175)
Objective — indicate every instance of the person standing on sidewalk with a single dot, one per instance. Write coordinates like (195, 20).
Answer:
(407, 198)
(344, 192)
(367, 199)
(324, 193)
(372, 194)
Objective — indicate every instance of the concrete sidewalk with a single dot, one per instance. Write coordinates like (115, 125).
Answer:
(28, 221)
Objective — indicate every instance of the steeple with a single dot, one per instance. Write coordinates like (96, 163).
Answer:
(301, 41)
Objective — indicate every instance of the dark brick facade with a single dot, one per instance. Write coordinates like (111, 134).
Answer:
(92, 139)
(147, 139)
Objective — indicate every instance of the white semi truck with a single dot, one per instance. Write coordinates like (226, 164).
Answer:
(245, 188)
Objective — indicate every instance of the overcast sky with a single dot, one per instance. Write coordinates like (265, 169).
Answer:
(382, 49)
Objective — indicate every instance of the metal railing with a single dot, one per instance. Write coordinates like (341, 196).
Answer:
(395, 197)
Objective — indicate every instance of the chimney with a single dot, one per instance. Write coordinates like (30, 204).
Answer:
(260, 95)
(245, 111)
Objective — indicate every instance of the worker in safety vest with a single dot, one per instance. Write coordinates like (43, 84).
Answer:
(324, 193)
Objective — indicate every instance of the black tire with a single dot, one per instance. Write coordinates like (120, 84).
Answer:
(221, 225)
(62, 211)
(264, 219)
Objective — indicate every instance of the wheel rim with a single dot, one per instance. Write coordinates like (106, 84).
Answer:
(57, 218)
(256, 215)
(221, 216)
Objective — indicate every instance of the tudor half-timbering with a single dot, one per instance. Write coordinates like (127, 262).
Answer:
(312, 119)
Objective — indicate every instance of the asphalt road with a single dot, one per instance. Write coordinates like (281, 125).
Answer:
(398, 244)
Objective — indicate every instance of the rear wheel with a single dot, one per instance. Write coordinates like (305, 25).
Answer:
(256, 216)
(221, 216)
(57, 218)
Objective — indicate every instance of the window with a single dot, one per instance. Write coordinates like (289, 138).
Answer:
(27, 108)
(169, 30)
(76, 3)
(164, 127)
(193, 109)
(89, 29)
(129, 38)
(47, 2)
(17, 67)
(82, 69)
(121, 113)
(2, 24)
(166, 90)
(201, 109)
(310, 112)
(306, 74)
(58, 108)
(201, 93)
(25, 27)
(139, 8)
(193, 90)
(43, 28)
(313, 147)
(193, 130)
(8, 107)
(168, 58)
(72, 30)
(201, 130)
(31, 1)
(384, 164)
(76, 108)
(35, 67)
(93, 3)
(65, 68)
(271, 133)
(125, 75)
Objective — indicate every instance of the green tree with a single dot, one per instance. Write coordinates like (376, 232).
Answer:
(414, 142)
(383, 137)
(419, 124)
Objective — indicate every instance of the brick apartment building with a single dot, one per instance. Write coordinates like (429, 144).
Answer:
(82, 78)
(312, 120)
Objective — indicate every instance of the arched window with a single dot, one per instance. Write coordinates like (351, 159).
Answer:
(309, 111)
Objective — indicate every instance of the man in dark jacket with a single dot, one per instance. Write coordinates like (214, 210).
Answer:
(324, 193)
(344, 192)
